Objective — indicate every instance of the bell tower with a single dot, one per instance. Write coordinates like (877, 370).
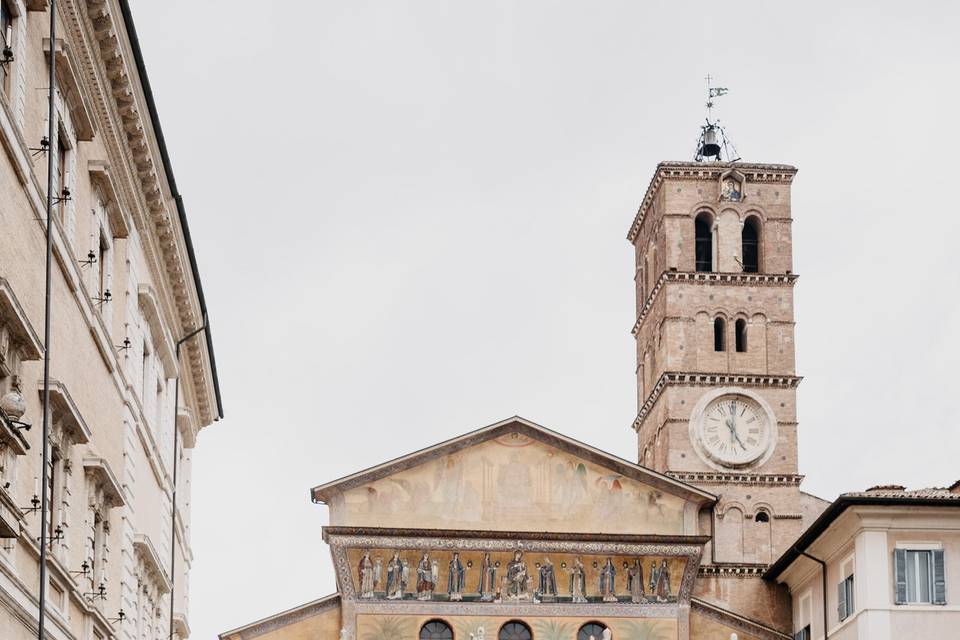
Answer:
(716, 375)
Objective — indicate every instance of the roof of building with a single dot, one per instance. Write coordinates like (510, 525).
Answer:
(284, 618)
(322, 493)
(880, 495)
(171, 180)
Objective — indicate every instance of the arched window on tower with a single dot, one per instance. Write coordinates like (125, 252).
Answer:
(591, 631)
(703, 247)
(750, 245)
(741, 335)
(719, 334)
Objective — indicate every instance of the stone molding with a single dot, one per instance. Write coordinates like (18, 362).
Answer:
(711, 380)
(762, 173)
(732, 570)
(757, 479)
(701, 277)
(745, 625)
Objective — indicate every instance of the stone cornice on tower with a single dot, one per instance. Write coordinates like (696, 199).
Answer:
(712, 380)
(700, 277)
(766, 173)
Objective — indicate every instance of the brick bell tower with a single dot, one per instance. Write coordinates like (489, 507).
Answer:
(716, 374)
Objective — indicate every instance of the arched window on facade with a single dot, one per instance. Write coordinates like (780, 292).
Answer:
(719, 334)
(762, 516)
(591, 631)
(703, 247)
(741, 335)
(750, 245)
(436, 630)
(514, 630)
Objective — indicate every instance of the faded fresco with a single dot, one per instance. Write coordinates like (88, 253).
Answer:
(404, 627)
(513, 576)
(511, 483)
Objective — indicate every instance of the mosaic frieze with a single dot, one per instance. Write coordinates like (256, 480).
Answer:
(516, 575)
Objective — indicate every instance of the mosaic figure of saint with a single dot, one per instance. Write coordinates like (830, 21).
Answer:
(635, 582)
(663, 582)
(548, 581)
(653, 577)
(456, 577)
(488, 579)
(396, 580)
(425, 582)
(578, 581)
(516, 577)
(608, 576)
(365, 573)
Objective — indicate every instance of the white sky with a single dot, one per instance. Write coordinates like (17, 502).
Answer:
(410, 222)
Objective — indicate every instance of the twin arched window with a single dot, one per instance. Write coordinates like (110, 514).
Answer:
(720, 334)
(749, 243)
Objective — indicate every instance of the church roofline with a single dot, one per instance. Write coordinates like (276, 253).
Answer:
(678, 170)
(324, 492)
(284, 618)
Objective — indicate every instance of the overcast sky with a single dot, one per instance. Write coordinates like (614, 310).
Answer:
(410, 220)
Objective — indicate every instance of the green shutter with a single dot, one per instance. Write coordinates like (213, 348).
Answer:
(900, 576)
(841, 602)
(939, 578)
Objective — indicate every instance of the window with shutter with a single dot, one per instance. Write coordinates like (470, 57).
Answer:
(919, 576)
(939, 578)
(900, 576)
(845, 598)
(841, 602)
(803, 634)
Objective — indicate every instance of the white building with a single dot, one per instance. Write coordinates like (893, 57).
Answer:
(125, 289)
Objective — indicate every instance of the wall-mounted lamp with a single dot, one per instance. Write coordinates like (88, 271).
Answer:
(106, 297)
(84, 570)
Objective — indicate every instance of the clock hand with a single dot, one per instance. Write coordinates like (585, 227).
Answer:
(738, 440)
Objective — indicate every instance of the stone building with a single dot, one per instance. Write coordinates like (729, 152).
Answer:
(515, 532)
(125, 289)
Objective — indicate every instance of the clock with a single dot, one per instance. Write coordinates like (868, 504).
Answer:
(733, 428)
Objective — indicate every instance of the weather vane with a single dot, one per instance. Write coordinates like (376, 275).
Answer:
(713, 142)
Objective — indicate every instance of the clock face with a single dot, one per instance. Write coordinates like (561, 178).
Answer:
(734, 430)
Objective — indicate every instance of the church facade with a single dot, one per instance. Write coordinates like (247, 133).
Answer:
(516, 532)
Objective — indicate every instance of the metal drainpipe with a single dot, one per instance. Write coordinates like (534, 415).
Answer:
(176, 458)
(45, 456)
(823, 574)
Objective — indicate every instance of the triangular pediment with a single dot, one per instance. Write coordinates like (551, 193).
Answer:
(514, 476)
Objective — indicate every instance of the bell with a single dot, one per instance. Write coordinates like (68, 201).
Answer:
(710, 146)
(13, 404)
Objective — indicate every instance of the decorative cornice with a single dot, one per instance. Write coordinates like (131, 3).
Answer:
(767, 173)
(711, 379)
(129, 125)
(699, 277)
(732, 570)
(764, 479)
